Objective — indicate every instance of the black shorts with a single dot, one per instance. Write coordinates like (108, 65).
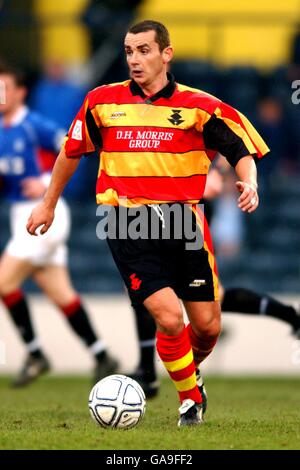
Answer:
(150, 263)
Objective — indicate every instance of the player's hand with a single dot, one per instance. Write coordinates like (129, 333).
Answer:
(248, 200)
(33, 188)
(41, 216)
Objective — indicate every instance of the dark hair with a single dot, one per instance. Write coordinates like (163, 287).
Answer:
(18, 75)
(162, 36)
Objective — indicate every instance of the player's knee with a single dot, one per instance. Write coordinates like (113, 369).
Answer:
(7, 287)
(169, 322)
(171, 325)
(208, 329)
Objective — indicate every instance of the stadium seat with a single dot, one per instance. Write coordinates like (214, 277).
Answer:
(197, 74)
(241, 87)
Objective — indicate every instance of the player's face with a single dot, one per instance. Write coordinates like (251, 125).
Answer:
(145, 61)
(14, 95)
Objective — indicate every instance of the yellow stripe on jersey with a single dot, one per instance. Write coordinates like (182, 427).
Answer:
(181, 363)
(140, 114)
(239, 131)
(156, 163)
(111, 197)
(254, 135)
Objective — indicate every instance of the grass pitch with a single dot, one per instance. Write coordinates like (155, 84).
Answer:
(252, 413)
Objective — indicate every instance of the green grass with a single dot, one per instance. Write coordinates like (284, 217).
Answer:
(254, 413)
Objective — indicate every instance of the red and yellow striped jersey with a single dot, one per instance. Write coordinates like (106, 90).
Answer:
(157, 149)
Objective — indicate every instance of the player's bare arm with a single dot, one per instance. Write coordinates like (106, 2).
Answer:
(247, 184)
(43, 214)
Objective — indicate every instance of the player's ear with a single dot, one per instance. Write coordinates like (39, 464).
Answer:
(167, 54)
(22, 93)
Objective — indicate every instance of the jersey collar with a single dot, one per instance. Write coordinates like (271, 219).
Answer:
(165, 92)
(18, 117)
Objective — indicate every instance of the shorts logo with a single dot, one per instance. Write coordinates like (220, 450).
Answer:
(197, 283)
(77, 130)
(135, 282)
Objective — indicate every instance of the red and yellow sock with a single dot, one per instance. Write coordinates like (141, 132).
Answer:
(177, 355)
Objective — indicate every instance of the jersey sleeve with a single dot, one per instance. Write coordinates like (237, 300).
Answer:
(230, 133)
(83, 136)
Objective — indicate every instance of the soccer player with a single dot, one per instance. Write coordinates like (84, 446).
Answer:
(233, 300)
(22, 134)
(156, 140)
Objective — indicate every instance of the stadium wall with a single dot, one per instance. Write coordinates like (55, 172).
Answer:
(250, 345)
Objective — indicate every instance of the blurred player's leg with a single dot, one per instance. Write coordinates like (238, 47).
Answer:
(145, 373)
(13, 272)
(55, 282)
(241, 300)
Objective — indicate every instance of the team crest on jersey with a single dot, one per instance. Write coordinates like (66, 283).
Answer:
(176, 118)
(77, 130)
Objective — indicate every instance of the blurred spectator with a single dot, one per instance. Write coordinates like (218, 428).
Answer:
(227, 222)
(275, 124)
(107, 21)
(101, 16)
(294, 74)
(55, 96)
(295, 59)
(294, 68)
(241, 87)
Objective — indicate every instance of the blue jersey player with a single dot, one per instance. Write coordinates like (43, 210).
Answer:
(22, 135)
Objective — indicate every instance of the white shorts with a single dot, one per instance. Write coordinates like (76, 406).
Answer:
(43, 250)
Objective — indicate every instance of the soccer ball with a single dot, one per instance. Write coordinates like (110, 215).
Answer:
(117, 401)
